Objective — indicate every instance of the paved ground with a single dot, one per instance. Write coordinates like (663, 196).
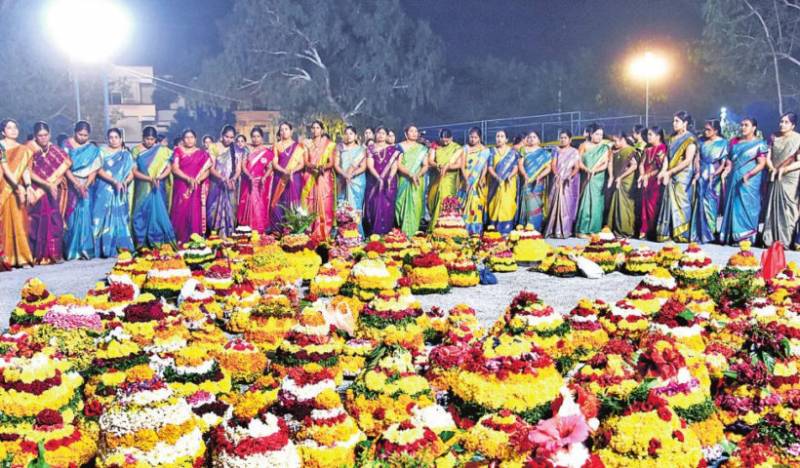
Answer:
(562, 293)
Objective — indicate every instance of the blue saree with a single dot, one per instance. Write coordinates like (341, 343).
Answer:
(110, 210)
(743, 204)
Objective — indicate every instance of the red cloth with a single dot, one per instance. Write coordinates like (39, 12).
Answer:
(773, 261)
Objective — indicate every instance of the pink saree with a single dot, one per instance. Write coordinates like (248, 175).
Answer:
(255, 193)
(189, 206)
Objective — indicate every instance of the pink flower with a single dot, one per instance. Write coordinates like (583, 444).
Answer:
(552, 434)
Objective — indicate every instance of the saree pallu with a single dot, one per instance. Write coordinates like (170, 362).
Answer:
(286, 191)
(590, 211)
(474, 192)
(46, 230)
(708, 191)
(379, 203)
(651, 192)
(221, 199)
(254, 196)
(78, 241)
(189, 206)
(409, 207)
(13, 216)
(445, 185)
(782, 212)
(564, 194)
(532, 194)
(503, 196)
(150, 217)
(622, 209)
(353, 192)
(319, 192)
(110, 209)
(743, 204)
(675, 211)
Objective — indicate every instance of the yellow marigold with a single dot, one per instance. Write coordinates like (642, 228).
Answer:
(139, 373)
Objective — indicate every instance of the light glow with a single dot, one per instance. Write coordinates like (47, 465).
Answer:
(88, 31)
(649, 66)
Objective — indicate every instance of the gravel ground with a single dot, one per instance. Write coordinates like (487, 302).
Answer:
(489, 301)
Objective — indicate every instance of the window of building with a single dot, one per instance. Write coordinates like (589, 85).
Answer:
(115, 98)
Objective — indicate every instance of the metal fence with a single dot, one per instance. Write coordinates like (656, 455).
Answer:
(548, 125)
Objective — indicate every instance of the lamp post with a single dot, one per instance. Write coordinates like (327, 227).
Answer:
(648, 67)
(89, 32)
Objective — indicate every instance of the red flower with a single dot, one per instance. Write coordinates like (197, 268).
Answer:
(93, 409)
(678, 435)
(653, 447)
(49, 417)
(379, 414)
(664, 413)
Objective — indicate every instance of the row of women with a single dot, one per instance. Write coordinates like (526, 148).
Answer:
(684, 188)
(85, 200)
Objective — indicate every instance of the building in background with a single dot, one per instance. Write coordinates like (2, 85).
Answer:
(267, 120)
(131, 105)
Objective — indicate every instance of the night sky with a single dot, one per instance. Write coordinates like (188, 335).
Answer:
(528, 30)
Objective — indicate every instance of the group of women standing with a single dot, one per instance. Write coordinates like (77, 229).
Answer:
(85, 200)
(643, 185)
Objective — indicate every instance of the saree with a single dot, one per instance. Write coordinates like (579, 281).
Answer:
(255, 193)
(564, 194)
(675, 211)
(503, 196)
(286, 191)
(780, 221)
(46, 230)
(13, 216)
(110, 209)
(743, 204)
(379, 201)
(708, 191)
(150, 217)
(352, 192)
(590, 211)
(221, 199)
(319, 190)
(445, 185)
(188, 214)
(473, 193)
(651, 192)
(622, 209)
(532, 194)
(78, 241)
(409, 206)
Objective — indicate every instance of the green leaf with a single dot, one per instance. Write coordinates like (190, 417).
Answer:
(687, 316)
(731, 374)
(446, 435)
(39, 461)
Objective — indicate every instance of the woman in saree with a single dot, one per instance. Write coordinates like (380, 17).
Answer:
(565, 191)
(503, 168)
(654, 155)
(675, 212)
(223, 183)
(151, 171)
(473, 191)
(622, 182)
(534, 167)
(190, 170)
(780, 221)
(594, 161)
(46, 212)
(110, 207)
(748, 157)
(86, 161)
(351, 166)
(412, 166)
(381, 194)
(256, 184)
(319, 183)
(447, 161)
(708, 184)
(15, 192)
(287, 183)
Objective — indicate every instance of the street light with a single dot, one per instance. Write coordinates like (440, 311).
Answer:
(648, 67)
(89, 32)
